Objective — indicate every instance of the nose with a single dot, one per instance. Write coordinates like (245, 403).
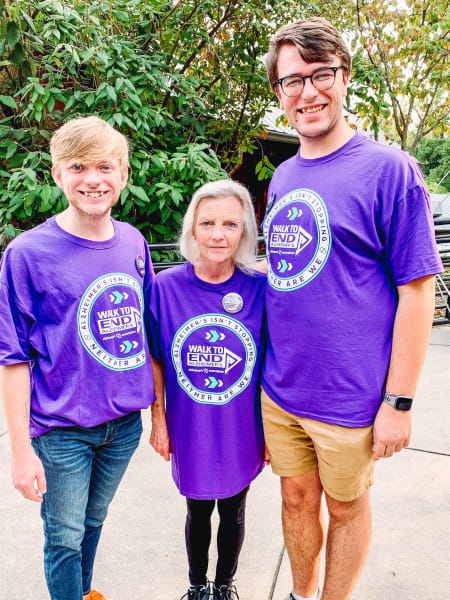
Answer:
(309, 91)
(91, 177)
(217, 232)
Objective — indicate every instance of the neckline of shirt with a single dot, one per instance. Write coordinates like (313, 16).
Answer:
(354, 141)
(94, 245)
(217, 287)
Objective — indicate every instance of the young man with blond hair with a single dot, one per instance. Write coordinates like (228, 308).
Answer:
(349, 302)
(75, 364)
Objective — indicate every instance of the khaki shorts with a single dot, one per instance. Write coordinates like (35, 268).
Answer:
(298, 445)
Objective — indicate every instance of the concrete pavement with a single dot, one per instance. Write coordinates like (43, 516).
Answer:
(142, 557)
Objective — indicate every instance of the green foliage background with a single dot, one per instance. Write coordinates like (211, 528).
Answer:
(433, 155)
(182, 80)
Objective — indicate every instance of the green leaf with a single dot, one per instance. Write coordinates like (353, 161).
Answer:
(8, 101)
(130, 123)
(31, 174)
(90, 99)
(10, 231)
(111, 93)
(118, 118)
(51, 104)
(134, 98)
(176, 197)
(12, 34)
(10, 150)
(121, 16)
(138, 192)
(18, 55)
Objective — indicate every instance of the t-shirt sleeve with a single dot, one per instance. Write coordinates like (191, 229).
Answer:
(15, 325)
(149, 278)
(411, 250)
(154, 323)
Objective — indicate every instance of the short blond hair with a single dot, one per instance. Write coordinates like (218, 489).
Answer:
(315, 39)
(90, 139)
(245, 255)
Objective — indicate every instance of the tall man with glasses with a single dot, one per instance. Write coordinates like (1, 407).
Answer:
(350, 300)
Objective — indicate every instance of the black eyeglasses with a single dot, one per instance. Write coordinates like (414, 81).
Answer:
(322, 79)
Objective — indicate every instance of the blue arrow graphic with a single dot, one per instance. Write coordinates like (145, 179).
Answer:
(213, 336)
(284, 265)
(116, 297)
(212, 383)
(126, 346)
(292, 215)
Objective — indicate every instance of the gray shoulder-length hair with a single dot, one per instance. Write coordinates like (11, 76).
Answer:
(245, 255)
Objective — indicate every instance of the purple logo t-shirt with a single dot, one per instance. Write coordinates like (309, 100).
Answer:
(213, 356)
(299, 239)
(110, 321)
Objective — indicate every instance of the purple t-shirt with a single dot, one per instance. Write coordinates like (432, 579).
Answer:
(74, 309)
(212, 358)
(342, 231)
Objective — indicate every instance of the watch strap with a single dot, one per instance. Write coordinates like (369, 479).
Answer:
(398, 401)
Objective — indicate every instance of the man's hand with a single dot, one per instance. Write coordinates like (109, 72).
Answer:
(159, 440)
(28, 475)
(266, 455)
(391, 431)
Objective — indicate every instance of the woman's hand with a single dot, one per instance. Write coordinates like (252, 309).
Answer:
(159, 439)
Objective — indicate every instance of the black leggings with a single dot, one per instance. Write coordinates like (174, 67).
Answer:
(230, 537)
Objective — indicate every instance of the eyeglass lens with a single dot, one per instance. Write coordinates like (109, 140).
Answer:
(321, 80)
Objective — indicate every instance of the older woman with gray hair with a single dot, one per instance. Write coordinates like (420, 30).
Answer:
(206, 318)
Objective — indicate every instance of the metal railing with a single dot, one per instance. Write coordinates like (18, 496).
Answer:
(442, 232)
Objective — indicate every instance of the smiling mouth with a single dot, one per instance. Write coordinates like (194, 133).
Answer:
(94, 194)
(307, 110)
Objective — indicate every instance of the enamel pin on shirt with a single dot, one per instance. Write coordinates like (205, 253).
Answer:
(140, 265)
(232, 302)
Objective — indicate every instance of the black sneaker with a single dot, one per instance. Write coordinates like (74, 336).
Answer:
(197, 592)
(225, 592)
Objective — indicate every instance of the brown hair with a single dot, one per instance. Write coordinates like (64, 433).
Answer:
(88, 138)
(314, 38)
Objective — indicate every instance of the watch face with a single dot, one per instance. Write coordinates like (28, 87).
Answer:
(404, 403)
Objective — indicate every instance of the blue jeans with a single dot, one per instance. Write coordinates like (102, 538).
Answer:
(83, 468)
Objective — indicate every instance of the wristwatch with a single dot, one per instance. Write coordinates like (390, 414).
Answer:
(398, 402)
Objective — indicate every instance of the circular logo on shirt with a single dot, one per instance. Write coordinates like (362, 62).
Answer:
(298, 239)
(110, 322)
(214, 356)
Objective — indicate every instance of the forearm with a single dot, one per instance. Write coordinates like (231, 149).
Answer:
(412, 325)
(15, 393)
(159, 437)
(411, 335)
(27, 471)
(158, 406)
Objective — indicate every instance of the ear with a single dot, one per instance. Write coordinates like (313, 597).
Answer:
(123, 178)
(56, 174)
(345, 79)
(279, 95)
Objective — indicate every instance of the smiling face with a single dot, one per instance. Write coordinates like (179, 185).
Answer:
(317, 116)
(91, 188)
(218, 228)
